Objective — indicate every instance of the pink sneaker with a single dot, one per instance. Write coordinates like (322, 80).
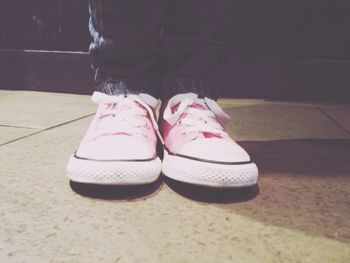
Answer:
(120, 144)
(197, 148)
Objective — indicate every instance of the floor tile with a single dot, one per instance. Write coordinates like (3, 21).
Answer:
(262, 121)
(288, 128)
(41, 110)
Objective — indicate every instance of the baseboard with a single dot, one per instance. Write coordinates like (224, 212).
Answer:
(284, 79)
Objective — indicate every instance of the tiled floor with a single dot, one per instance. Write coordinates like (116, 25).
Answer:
(299, 212)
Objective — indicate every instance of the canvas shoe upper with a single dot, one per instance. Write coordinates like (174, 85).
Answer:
(195, 127)
(124, 127)
(119, 146)
(195, 139)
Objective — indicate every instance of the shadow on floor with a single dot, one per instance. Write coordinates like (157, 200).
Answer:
(331, 149)
(211, 194)
(304, 185)
(194, 192)
(116, 192)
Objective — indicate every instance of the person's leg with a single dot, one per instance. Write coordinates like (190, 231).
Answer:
(194, 46)
(125, 47)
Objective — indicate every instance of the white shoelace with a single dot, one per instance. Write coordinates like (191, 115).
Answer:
(210, 118)
(120, 114)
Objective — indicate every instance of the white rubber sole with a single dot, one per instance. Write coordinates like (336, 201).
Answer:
(113, 172)
(209, 174)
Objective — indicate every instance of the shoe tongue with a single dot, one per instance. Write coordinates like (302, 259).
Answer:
(200, 103)
(199, 106)
(122, 105)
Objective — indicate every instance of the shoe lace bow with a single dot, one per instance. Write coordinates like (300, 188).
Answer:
(199, 115)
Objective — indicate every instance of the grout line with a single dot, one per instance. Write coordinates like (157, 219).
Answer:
(332, 119)
(49, 128)
(19, 127)
(20, 138)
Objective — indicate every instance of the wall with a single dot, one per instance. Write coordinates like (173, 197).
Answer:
(270, 28)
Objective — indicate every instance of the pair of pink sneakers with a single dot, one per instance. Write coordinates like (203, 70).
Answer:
(119, 147)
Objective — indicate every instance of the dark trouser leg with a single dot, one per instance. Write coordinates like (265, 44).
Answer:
(125, 49)
(194, 46)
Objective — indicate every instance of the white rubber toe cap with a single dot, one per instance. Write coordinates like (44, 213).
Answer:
(215, 149)
(116, 148)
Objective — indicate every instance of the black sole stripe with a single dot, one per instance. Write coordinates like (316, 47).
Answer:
(117, 160)
(205, 160)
